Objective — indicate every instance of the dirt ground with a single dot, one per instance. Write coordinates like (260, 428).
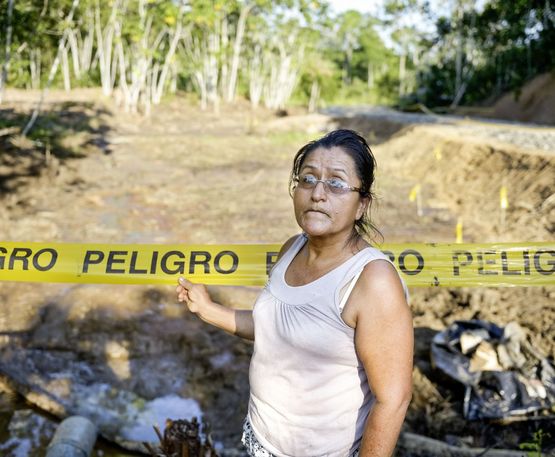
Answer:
(187, 176)
(533, 103)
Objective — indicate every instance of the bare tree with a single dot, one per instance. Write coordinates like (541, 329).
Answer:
(284, 64)
(241, 23)
(104, 47)
(161, 76)
(6, 66)
(53, 70)
(201, 53)
(257, 75)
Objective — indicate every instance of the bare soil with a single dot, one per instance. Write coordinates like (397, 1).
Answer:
(187, 176)
(534, 102)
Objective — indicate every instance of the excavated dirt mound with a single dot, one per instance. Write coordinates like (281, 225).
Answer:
(534, 102)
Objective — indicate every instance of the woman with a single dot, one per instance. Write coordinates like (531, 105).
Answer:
(331, 371)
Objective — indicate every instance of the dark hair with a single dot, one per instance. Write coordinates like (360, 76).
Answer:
(365, 165)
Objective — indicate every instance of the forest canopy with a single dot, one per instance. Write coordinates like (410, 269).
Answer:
(276, 53)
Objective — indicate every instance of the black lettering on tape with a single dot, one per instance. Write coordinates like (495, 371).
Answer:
(234, 265)
(418, 256)
(153, 262)
(271, 259)
(204, 260)
(21, 254)
(179, 265)
(112, 260)
(390, 255)
(2, 257)
(505, 266)
(457, 263)
(92, 258)
(53, 257)
(538, 265)
(485, 261)
(133, 270)
(526, 255)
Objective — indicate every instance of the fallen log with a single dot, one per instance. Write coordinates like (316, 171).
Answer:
(424, 446)
(9, 131)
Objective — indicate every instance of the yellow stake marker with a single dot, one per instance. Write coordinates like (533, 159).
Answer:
(437, 152)
(459, 230)
(503, 200)
(414, 192)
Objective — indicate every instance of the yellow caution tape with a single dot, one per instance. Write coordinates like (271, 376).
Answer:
(429, 264)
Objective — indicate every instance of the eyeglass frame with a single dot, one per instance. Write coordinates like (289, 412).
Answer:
(328, 187)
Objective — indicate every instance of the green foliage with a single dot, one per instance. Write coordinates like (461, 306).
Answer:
(337, 52)
(477, 53)
(533, 448)
(505, 45)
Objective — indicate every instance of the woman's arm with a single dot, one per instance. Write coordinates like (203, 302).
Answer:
(234, 321)
(384, 339)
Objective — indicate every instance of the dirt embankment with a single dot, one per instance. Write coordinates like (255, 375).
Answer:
(534, 102)
(467, 174)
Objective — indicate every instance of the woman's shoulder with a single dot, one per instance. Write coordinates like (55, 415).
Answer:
(287, 245)
(380, 277)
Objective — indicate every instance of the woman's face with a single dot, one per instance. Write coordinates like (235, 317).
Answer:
(318, 211)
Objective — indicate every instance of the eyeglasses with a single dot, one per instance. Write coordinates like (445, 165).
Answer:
(333, 185)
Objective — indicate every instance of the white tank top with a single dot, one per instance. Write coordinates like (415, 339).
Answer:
(309, 395)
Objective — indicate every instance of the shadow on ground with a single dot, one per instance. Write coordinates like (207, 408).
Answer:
(65, 131)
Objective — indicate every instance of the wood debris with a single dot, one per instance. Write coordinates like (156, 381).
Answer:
(183, 438)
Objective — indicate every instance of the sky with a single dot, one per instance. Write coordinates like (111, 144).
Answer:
(365, 6)
(375, 7)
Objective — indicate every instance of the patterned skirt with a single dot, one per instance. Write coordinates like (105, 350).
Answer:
(253, 446)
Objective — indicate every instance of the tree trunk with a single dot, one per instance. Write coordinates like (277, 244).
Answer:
(87, 45)
(35, 67)
(370, 78)
(347, 79)
(122, 65)
(159, 87)
(224, 70)
(256, 77)
(72, 40)
(284, 74)
(230, 96)
(459, 51)
(201, 83)
(402, 71)
(314, 96)
(65, 68)
(195, 54)
(460, 93)
(104, 38)
(173, 79)
(53, 70)
(212, 70)
(6, 66)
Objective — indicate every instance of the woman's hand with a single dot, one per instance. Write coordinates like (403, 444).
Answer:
(236, 322)
(195, 296)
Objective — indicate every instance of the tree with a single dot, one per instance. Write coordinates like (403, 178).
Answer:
(6, 65)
